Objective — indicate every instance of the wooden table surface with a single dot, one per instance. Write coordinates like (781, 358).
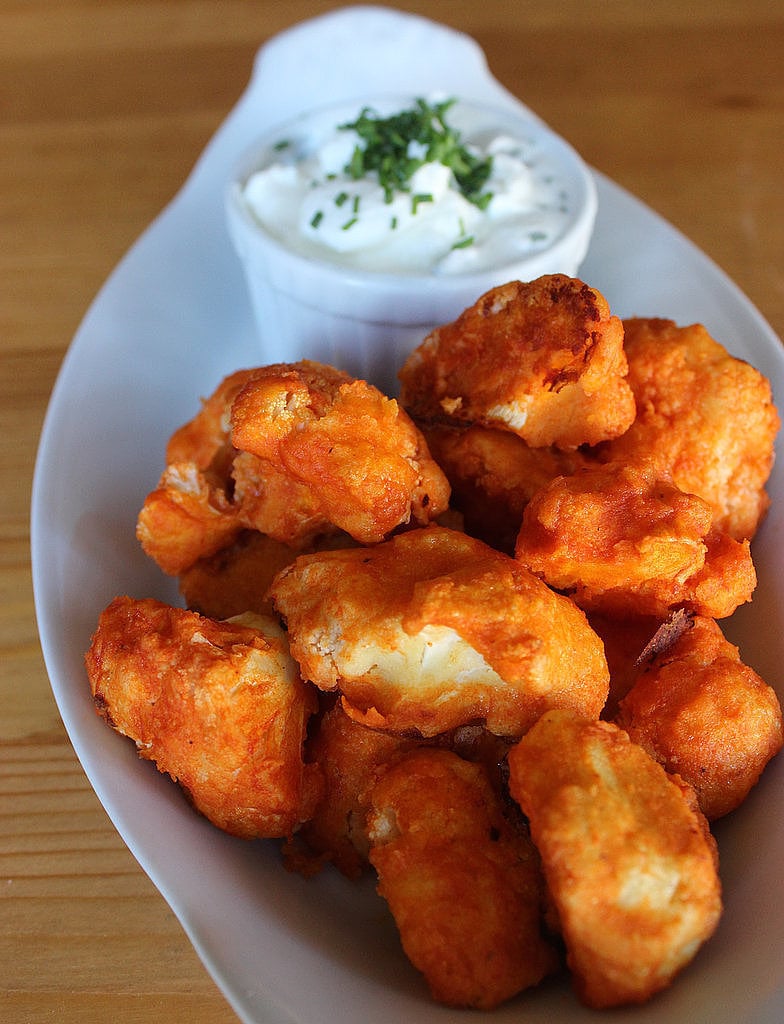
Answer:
(104, 107)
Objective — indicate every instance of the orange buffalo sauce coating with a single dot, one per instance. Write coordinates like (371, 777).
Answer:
(543, 359)
(499, 684)
(463, 884)
(630, 863)
(702, 713)
(433, 629)
(219, 706)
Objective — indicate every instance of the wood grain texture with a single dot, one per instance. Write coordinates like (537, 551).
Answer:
(104, 107)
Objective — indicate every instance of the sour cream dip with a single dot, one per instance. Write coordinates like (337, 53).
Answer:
(357, 241)
(394, 190)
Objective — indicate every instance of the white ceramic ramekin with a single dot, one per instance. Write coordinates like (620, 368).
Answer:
(367, 322)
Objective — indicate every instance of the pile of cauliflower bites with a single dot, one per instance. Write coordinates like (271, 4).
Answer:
(468, 640)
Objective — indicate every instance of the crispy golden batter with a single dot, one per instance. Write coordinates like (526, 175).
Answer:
(235, 580)
(269, 500)
(543, 359)
(701, 712)
(706, 419)
(434, 629)
(191, 515)
(350, 756)
(354, 454)
(296, 451)
(463, 886)
(219, 706)
(628, 857)
(493, 475)
(185, 518)
(625, 640)
(623, 540)
(280, 398)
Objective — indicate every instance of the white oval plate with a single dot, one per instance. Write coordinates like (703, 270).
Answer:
(168, 324)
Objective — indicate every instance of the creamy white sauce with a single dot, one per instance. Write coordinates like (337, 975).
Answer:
(303, 196)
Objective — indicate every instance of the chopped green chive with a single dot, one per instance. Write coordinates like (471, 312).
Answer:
(463, 243)
(341, 198)
(349, 224)
(317, 218)
(420, 197)
(385, 148)
(356, 167)
(281, 145)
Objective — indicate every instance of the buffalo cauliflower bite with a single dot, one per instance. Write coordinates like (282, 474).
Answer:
(186, 517)
(236, 578)
(349, 756)
(433, 629)
(296, 451)
(702, 713)
(463, 885)
(493, 475)
(219, 706)
(622, 540)
(704, 418)
(351, 453)
(627, 856)
(543, 359)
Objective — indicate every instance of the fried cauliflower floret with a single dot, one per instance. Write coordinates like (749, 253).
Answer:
(236, 578)
(543, 359)
(628, 858)
(219, 706)
(705, 418)
(433, 630)
(699, 711)
(185, 518)
(621, 539)
(464, 888)
(350, 756)
(296, 451)
(353, 454)
(493, 475)
(190, 515)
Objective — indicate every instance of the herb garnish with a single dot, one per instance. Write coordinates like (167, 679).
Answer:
(386, 149)
(420, 197)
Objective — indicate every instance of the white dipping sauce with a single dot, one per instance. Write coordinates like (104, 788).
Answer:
(304, 196)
